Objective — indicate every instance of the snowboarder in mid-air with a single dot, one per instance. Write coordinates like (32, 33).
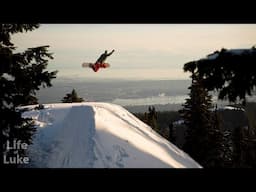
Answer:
(104, 56)
(101, 60)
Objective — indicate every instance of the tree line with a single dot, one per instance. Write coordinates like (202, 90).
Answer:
(233, 76)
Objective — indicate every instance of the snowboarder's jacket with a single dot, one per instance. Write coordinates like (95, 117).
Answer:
(103, 56)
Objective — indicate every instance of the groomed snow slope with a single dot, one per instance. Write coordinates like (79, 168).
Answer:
(99, 135)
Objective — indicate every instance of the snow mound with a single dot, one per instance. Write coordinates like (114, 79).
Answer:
(99, 135)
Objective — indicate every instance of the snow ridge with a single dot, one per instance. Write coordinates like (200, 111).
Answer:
(99, 135)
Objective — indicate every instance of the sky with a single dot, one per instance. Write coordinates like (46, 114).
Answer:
(142, 51)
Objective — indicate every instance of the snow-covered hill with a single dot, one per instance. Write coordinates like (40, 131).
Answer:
(99, 135)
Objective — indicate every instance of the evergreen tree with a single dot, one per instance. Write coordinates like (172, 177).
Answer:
(219, 143)
(171, 136)
(21, 74)
(72, 97)
(250, 139)
(197, 117)
(152, 117)
(244, 148)
(237, 139)
(205, 141)
(233, 74)
(230, 73)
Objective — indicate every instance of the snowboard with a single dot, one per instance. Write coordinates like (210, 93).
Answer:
(86, 65)
(93, 66)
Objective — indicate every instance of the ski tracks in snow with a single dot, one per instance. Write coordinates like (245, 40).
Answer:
(75, 148)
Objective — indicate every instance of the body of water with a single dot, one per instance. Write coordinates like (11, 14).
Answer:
(122, 92)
